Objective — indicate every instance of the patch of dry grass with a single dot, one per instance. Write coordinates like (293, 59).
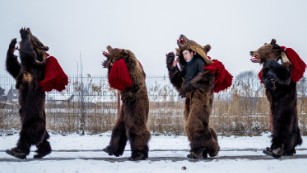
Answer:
(240, 110)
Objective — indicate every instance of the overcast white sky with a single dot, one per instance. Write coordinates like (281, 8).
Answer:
(150, 29)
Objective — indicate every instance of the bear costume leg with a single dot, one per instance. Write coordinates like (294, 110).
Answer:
(136, 129)
(118, 137)
(23, 146)
(213, 146)
(286, 133)
(203, 139)
(125, 128)
(28, 138)
(138, 138)
(33, 118)
(44, 147)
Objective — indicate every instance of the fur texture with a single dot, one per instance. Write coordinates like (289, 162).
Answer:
(28, 74)
(131, 123)
(197, 110)
(186, 44)
(282, 95)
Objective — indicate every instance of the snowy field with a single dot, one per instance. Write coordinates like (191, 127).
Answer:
(78, 154)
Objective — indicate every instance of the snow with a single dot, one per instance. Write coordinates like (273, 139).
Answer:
(75, 153)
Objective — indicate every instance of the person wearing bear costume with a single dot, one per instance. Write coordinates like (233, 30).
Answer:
(281, 69)
(196, 77)
(36, 73)
(126, 74)
(31, 99)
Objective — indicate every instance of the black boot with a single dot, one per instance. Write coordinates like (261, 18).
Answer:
(137, 156)
(17, 153)
(276, 153)
(108, 150)
(42, 150)
(41, 155)
(198, 153)
(290, 152)
(205, 154)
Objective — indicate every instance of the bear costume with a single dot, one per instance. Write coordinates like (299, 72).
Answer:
(210, 77)
(282, 68)
(126, 74)
(31, 99)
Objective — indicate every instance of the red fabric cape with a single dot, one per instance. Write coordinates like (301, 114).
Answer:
(223, 78)
(119, 76)
(55, 77)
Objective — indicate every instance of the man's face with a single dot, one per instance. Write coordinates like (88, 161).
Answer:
(187, 55)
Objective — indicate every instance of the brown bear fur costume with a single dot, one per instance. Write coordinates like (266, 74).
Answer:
(282, 95)
(198, 102)
(131, 123)
(31, 99)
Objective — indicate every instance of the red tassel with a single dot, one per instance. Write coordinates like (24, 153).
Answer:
(298, 65)
(119, 76)
(55, 77)
(260, 76)
(223, 78)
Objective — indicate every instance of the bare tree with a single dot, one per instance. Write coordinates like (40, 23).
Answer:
(246, 92)
(79, 88)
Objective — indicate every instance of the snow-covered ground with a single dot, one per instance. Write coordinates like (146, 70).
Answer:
(74, 153)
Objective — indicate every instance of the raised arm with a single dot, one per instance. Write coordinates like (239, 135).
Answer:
(26, 50)
(174, 73)
(12, 64)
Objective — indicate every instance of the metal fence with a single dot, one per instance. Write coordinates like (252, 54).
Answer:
(89, 104)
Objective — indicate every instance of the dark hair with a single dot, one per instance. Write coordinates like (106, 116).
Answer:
(190, 50)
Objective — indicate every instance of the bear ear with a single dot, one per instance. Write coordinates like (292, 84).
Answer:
(109, 49)
(273, 42)
(207, 48)
(124, 52)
